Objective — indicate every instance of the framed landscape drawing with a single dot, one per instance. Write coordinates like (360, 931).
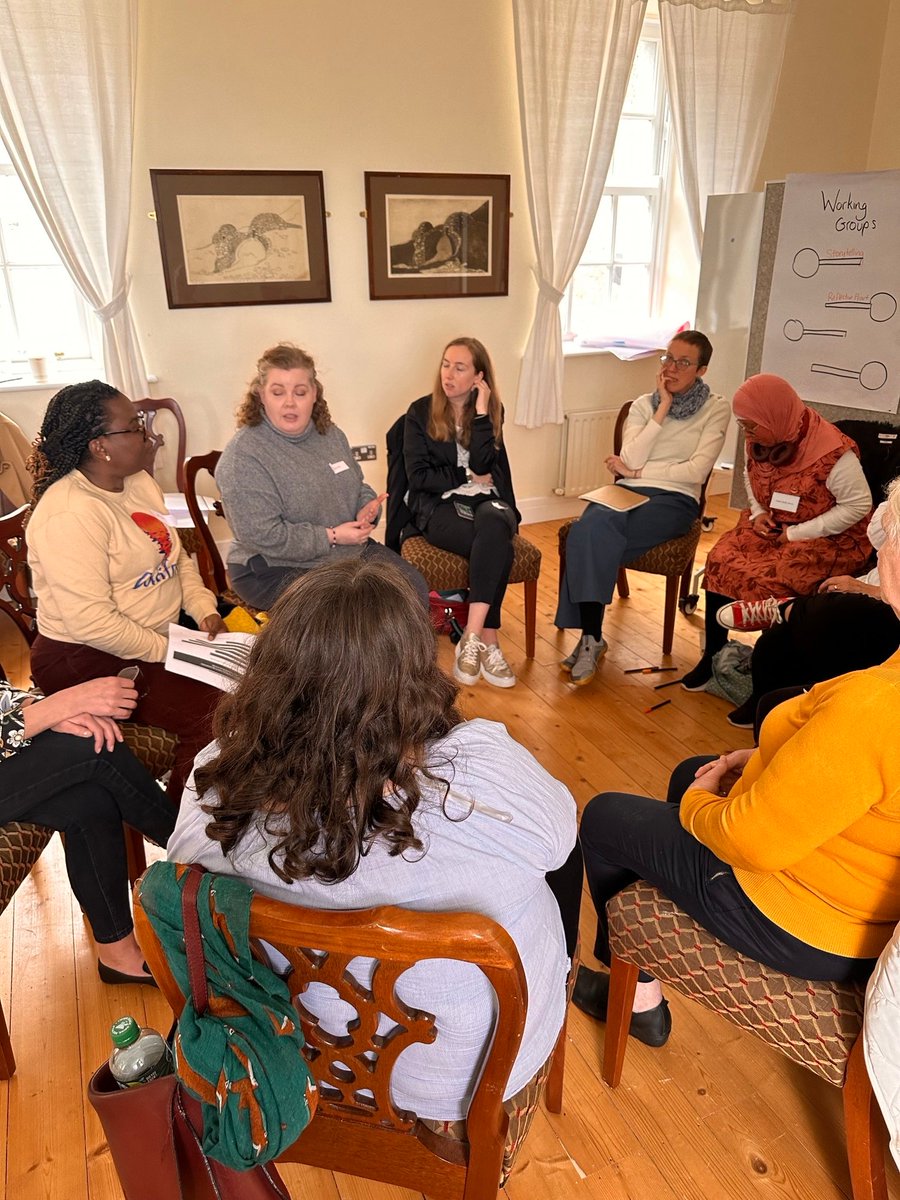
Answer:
(242, 237)
(437, 236)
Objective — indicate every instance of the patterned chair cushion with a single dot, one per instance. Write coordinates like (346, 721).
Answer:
(446, 572)
(815, 1024)
(668, 558)
(21, 845)
(154, 747)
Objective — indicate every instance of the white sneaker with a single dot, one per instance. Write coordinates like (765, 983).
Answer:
(567, 663)
(467, 668)
(588, 652)
(495, 668)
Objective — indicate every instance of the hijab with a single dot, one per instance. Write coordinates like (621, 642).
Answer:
(781, 416)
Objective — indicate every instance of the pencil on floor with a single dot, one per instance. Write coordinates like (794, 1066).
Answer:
(647, 670)
(654, 707)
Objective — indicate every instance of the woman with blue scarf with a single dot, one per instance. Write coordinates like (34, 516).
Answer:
(669, 445)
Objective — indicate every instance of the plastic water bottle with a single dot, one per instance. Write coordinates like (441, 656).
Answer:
(140, 1055)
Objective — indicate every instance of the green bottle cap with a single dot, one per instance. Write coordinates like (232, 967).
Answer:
(125, 1031)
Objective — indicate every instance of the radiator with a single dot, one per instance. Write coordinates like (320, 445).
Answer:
(587, 440)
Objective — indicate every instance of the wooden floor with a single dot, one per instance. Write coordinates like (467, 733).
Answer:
(713, 1114)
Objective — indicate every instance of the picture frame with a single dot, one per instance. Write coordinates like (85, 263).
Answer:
(436, 236)
(242, 237)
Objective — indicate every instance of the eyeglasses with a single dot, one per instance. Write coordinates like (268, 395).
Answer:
(137, 426)
(681, 363)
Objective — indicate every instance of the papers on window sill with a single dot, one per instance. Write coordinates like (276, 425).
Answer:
(612, 496)
(220, 663)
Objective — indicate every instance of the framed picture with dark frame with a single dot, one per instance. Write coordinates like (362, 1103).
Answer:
(242, 237)
(437, 236)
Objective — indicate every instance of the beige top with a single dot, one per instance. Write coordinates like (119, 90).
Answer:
(108, 568)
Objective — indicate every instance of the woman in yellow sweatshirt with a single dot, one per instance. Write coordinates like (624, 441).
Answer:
(108, 569)
(798, 864)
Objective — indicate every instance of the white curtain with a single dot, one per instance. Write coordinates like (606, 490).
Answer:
(722, 61)
(66, 114)
(573, 59)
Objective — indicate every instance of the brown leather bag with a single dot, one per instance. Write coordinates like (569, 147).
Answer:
(154, 1130)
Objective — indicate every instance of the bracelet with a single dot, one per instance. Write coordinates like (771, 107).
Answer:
(332, 537)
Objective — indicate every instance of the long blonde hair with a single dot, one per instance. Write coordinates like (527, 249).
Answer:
(283, 357)
(441, 422)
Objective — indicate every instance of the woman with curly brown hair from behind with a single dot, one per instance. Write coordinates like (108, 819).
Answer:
(292, 491)
(344, 777)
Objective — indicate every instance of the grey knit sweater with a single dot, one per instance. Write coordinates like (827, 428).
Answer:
(281, 493)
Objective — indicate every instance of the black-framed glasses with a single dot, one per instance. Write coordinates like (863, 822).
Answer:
(136, 426)
(681, 363)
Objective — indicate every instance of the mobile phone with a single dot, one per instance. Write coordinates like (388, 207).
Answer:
(473, 395)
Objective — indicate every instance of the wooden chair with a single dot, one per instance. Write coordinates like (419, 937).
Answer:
(357, 1129)
(817, 1025)
(211, 566)
(155, 437)
(674, 559)
(152, 746)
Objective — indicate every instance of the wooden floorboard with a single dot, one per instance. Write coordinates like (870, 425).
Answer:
(712, 1114)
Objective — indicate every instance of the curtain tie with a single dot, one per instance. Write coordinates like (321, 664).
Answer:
(547, 291)
(106, 312)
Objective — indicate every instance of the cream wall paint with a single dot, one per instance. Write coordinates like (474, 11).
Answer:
(825, 101)
(884, 145)
(340, 88)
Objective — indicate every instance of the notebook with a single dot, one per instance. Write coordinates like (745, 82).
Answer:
(619, 498)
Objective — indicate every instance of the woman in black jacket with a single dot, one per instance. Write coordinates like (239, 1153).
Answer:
(461, 495)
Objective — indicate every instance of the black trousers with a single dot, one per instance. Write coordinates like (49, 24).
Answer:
(824, 636)
(486, 541)
(260, 585)
(626, 838)
(565, 883)
(60, 781)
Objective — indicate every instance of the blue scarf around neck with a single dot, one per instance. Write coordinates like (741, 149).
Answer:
(685, 404)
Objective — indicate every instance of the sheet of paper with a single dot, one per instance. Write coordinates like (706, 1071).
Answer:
(176, 507)
(220, 663)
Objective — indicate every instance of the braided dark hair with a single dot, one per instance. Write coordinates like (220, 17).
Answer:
(74, 417)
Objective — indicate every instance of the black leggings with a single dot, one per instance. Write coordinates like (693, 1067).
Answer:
(565, 883)
(626, 838)
(486, 541)
(61, 782)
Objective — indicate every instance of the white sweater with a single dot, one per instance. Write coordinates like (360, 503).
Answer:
(493, 862)
(676, 456)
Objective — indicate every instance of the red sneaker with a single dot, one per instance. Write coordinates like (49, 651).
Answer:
(748, 616)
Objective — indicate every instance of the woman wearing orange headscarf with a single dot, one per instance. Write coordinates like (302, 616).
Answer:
(809, 508)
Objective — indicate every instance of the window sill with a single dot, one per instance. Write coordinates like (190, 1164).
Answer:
(27, 383)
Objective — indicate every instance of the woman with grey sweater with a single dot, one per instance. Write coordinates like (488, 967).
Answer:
(293, 493)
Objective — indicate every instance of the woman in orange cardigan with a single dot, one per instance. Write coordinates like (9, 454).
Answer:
(797, 863)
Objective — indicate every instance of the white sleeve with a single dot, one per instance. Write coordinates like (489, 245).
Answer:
(756, 509)
(639, 434)
(853, 500)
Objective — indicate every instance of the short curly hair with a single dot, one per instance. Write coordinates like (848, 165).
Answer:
(283, 357)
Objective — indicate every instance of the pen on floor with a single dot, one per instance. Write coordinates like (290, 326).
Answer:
(654, 707)
(668, 683)
(647, 670)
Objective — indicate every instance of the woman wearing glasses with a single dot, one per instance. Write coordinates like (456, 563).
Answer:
(669, 445)
(809, 509)
(108, 569)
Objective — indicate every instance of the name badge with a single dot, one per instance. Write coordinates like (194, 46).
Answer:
(338, 467)
(784, 502)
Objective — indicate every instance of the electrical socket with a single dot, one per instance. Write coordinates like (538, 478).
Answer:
(364, 453)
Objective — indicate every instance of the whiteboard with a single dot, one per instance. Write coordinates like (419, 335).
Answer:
(833, 328)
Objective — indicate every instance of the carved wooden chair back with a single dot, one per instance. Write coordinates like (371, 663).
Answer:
(156, 438)
(357, 1129)
(16, 599)
(213, 570)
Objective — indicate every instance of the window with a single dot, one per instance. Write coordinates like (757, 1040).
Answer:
(617, 280)
(42, 314)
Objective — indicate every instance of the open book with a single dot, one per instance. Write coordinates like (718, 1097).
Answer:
(611, 496)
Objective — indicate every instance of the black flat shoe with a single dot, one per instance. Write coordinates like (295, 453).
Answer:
(699, 676)
(111, 975)
(591, 995)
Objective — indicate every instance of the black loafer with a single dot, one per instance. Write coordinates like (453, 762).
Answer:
(111, 975)
(591, 995)
(699, 676)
